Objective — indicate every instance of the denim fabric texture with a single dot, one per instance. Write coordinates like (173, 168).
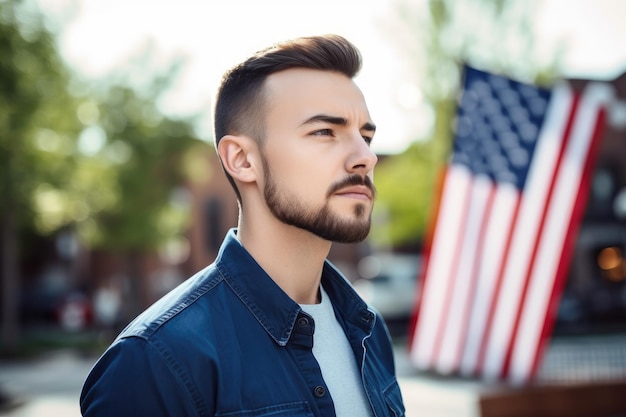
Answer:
(229, 342)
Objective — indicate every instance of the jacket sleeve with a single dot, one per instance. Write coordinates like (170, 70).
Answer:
(133, 378)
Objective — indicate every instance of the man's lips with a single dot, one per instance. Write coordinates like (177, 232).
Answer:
(360, 192)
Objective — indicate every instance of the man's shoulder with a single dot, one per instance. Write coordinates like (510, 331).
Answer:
(187, 306)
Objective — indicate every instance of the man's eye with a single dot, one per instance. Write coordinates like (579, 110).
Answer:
(323, 132)
(368, 139)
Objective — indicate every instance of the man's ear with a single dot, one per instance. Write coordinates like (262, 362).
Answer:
(238, 157)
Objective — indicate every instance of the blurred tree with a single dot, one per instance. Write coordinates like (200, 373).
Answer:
(103, 163)
(438, 36)
(148, 206)
(37, 126)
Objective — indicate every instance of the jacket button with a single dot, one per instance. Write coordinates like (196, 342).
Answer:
(367, 318)
(303, 322)
(319, 391)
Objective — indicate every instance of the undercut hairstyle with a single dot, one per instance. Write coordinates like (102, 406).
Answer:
(240, 102)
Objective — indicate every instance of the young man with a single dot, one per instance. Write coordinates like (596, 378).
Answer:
(271, 328)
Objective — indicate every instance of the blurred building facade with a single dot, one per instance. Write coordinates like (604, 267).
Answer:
(595, 295)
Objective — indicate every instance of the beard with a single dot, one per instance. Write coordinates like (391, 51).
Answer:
(321, 221)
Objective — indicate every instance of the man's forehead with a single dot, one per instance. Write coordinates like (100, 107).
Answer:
(315, 92)
(306, 80)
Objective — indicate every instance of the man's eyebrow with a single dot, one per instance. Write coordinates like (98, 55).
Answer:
(371, 127)
(335, 120)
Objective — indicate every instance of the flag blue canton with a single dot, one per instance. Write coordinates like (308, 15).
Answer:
(498, 123)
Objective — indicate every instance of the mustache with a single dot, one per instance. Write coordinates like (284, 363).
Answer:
(350, 181)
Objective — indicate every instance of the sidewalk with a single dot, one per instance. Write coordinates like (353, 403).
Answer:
(569, 360)
(47, 386)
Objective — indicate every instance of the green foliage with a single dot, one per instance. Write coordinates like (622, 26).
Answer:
(37, 121)
(145, 151)
(404, 183)
(407, 185)
(104, 162)
(37, 131)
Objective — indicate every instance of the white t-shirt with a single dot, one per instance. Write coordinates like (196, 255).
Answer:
(336, 360)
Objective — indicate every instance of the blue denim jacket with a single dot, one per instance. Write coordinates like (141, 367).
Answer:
(230, 342)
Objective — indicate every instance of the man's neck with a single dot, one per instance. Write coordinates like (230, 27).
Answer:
(292, 257)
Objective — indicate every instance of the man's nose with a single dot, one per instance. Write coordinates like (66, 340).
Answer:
(362, 159)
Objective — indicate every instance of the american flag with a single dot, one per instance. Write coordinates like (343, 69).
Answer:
(510, 205)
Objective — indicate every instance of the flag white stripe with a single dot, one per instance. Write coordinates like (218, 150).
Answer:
(461, 284)
(553, 237)
(496, 236)
(526, 231)
(436, 284)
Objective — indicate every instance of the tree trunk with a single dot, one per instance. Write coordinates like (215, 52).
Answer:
(10, 329)
(137, 292)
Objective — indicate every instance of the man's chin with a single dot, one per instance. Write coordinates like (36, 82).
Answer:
(346, 234)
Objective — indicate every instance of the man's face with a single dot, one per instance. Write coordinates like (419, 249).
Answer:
(316, 156)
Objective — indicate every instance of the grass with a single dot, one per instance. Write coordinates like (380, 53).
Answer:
(39, 340)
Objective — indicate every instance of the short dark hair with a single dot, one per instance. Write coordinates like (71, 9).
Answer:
(240, 105)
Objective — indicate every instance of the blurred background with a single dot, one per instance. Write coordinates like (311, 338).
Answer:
(111, 193)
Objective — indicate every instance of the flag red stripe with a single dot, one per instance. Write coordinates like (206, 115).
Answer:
(570, 240)
(426, 249)
(555, 232)
(529, 267)
(496, 293)
(526, 231)
(497, 233)
(452, 275)
(474, 275)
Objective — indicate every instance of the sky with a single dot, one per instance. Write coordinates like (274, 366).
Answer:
(98, 37)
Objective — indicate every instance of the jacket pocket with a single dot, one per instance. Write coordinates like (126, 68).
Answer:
(299, 409)
(393, 398)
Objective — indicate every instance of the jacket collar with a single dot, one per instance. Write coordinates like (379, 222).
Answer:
(275, 311)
